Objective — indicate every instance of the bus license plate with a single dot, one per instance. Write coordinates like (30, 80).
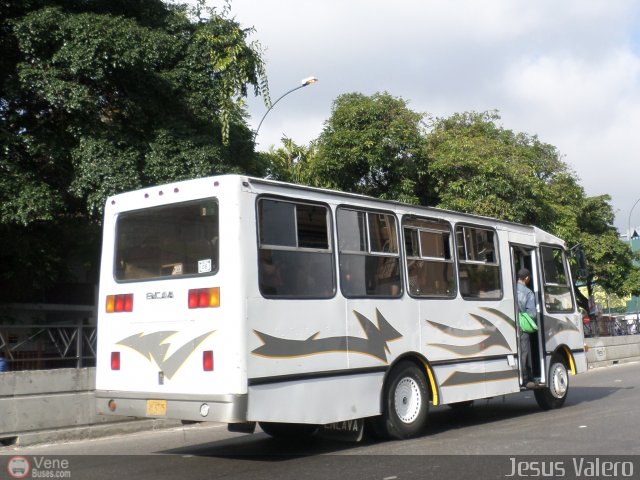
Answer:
(157, 408)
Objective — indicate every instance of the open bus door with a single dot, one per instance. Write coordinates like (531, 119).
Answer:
(526, 257)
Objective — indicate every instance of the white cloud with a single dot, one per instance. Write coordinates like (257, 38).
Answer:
(590, 109)
(574, 88)
(568, 71)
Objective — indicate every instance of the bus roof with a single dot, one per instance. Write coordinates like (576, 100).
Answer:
(131, 197)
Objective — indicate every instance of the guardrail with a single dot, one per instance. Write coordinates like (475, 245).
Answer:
(611, 326)
(48, 346)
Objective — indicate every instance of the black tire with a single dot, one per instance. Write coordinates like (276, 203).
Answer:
(555, 393)
(288, 431)
(405, 403)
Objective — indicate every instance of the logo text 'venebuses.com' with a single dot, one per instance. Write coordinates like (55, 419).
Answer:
(38, 467)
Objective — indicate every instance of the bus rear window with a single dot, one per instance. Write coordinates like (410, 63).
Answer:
(167, 241)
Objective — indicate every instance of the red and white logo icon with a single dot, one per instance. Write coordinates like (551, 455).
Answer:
(18, 467)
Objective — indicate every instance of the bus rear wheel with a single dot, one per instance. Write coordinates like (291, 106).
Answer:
(406, 403)
(288, 431)
(555, 393)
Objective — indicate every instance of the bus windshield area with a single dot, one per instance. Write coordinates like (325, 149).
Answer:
(166, 241)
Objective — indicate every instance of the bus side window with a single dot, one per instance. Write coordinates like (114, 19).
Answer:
(478, 265)
(295, 254)
(368, 253)
(429, 260)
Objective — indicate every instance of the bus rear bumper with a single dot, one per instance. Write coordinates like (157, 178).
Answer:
(226, 408)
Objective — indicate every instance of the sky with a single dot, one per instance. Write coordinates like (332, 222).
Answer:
(567, 71)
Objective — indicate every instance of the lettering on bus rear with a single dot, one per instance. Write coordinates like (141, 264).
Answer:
(159, 295)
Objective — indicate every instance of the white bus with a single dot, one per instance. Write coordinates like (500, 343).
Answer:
(243, 300)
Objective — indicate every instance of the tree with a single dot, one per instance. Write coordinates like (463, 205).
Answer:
(632, 284)
(609, 259)
(467, 162)
(479, 167)
(101, 96)
(289, 163)
(372, 145)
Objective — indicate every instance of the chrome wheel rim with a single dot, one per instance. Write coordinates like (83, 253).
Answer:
(407, 400)
(559, 381)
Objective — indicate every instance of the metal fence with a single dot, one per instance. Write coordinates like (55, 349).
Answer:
(611, 325)
(47, 346)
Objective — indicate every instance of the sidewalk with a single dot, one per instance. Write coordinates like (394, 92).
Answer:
(87, 432)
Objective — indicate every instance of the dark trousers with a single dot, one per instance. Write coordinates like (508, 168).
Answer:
(525, 356)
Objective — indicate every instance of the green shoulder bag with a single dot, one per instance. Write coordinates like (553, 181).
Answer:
(527, 324)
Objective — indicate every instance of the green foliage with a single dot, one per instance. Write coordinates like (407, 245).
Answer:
(632, 283)
(608, 302)
(233, 63)
(610, 260)
(466, 162)
(102, 96)
(479, 167)
(289, 163)
(371, 145)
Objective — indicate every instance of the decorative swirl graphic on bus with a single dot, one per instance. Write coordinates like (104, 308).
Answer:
(553, 326)
(375, 342)
(491, 337)
(154, 347)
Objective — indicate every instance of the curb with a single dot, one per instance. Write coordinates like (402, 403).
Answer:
(609, 363)
(85, 432)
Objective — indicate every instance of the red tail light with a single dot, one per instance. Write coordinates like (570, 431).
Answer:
(115, 360)
(119, 303)
(204, 297)
(207, 361)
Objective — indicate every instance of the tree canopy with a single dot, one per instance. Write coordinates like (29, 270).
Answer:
(479, 167)
(102, 96)
(371, 145)
(466, 162)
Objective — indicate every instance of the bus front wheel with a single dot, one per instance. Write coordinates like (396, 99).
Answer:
(406, 402)
(555, 393)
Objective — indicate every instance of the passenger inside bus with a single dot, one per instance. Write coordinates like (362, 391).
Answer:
(270, 277)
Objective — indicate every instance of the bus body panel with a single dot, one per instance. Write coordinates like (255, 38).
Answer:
(472, 349)
(317, 400)
(379, 331)
(281, 343)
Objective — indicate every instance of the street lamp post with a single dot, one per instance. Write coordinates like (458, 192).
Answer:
(305, 82)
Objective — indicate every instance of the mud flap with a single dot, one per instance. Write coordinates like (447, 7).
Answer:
(346, 431)
(244, 427)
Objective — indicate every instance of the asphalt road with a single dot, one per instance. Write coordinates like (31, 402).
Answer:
(599, 420)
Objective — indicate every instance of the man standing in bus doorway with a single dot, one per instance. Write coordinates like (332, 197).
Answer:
(526, 303)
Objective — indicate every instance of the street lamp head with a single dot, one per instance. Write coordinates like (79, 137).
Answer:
(308, 81)
(304, 83)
